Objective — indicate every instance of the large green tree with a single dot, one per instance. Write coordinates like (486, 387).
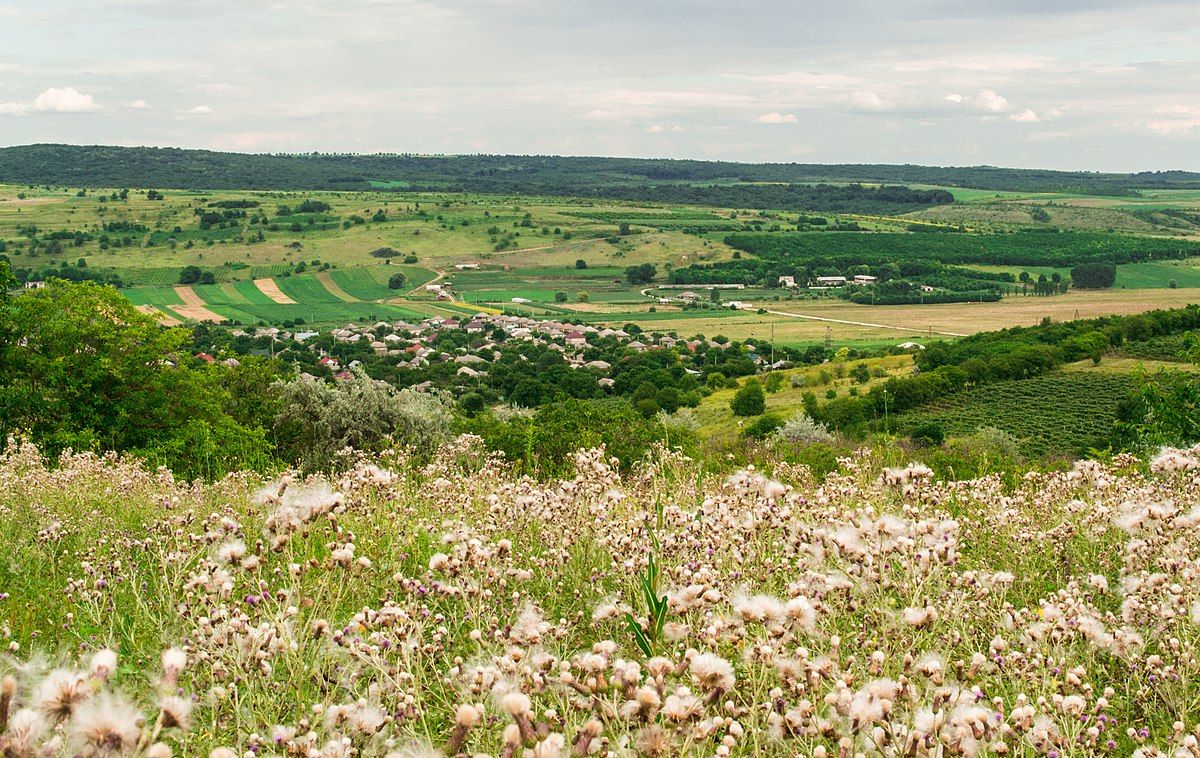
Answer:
(81, 368)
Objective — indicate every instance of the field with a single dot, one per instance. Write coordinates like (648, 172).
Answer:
(1059, 414)
(523, 247)
(718, 424)
(402, 609)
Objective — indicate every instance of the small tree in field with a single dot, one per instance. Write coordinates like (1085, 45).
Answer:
(749, 400)
(396, 281)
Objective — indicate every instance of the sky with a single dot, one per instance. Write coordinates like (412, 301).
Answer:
(1067, 84)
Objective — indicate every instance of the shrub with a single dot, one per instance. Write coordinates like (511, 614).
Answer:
(803, 430)
(929, 434)
(749, 400)
(396, 281)
(317, 420)
(763, 426)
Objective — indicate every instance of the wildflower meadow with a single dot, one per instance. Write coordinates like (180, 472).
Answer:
(458, 608)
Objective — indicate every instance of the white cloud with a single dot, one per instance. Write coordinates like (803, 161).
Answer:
(868, 100)
(655, 129)
(53, 100)
(777, 118)
(137, 105)
(64, 100)
(200, 110)
(955, 98)
(990, 101)
(1025, 117)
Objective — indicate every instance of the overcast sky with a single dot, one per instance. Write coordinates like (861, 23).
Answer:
(1066, 84)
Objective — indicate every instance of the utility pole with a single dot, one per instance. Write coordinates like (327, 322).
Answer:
(772, 343)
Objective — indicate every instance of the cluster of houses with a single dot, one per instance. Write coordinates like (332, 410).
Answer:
(414, 345)
(829, 282)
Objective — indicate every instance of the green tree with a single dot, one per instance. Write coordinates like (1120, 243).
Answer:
(641, 274)
(580, 263)
(749, 400)
(396, 281)
(80, 367)
(1094, 275)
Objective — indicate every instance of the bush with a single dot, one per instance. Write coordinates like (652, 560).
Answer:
(749, 400)
(190, 274)
(763, 426)
(317, 420)
(546, 441)
(931, 434)
(396, 281)
(803, 430)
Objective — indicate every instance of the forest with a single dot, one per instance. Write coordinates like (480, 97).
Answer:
(104, 166)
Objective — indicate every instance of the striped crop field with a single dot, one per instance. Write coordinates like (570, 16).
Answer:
(316, 301)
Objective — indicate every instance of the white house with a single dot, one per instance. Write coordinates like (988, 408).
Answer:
(787, 281)
(831, 281)
(864, 279)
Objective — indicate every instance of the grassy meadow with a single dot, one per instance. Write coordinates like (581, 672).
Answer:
(456, 608)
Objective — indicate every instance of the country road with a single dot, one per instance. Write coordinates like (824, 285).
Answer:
(911, 330)
(908, 329)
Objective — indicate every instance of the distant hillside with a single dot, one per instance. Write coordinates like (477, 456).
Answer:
(629, 178)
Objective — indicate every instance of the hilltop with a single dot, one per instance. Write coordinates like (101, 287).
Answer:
(108, 166)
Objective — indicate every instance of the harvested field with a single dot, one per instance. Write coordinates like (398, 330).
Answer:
(269, 288)
(193, 307)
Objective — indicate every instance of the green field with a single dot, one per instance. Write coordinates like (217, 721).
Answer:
(1143, 275)
(526, 247)
(1063, 413)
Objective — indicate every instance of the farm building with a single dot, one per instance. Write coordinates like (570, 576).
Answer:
(787, 281)
(864, 279)
(831, 281)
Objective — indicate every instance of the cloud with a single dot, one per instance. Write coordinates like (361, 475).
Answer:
(777, 118)
(53, 100)
(868, 100)
(988, 100)
(955, 98)
(1025, 117)
(655, 129)
(64, 100)
(137, 105)
(199, 110)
